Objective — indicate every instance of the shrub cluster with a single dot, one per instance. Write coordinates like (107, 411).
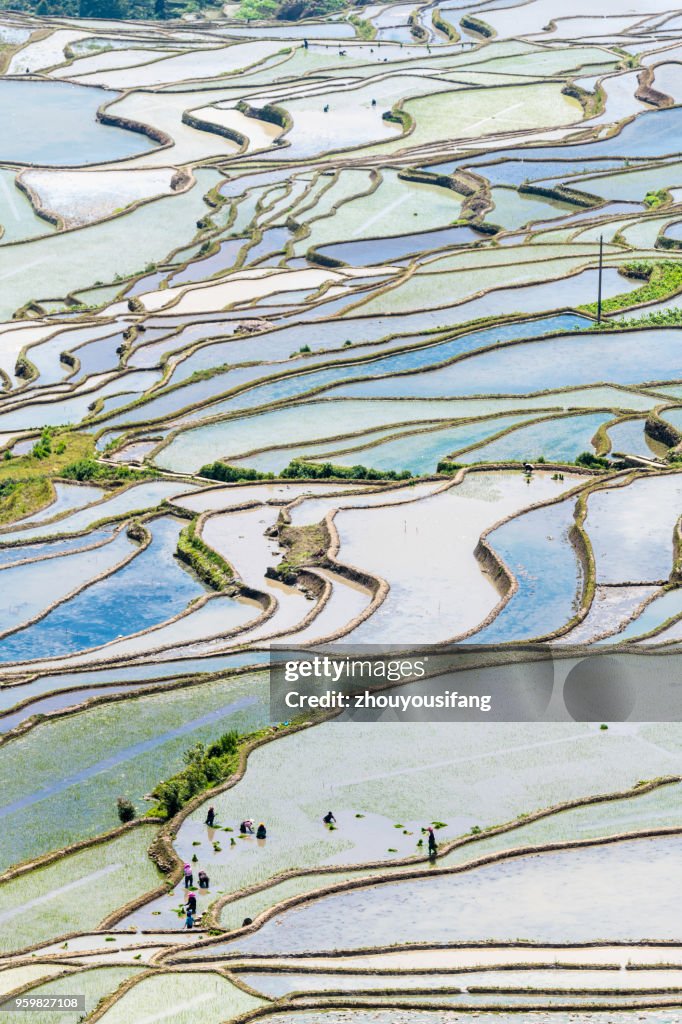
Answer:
(298, 469)
(125, 809)
(231, 474)
(204, 767)
(592, 461)
(91, 469)
(43, 446)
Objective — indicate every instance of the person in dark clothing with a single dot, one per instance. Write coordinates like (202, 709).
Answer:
(262, 831)
(246, 827)
(189, 877)
(203, 880)
(191, 904)
(329, 818)
(210, 817)
(433, 847)
(189, 920)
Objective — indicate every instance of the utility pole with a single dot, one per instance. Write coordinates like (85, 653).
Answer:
(601, 270)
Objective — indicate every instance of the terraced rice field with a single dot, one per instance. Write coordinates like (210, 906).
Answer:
(348, 334)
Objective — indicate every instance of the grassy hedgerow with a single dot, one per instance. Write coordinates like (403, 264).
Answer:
(207, 563)
(662, 279)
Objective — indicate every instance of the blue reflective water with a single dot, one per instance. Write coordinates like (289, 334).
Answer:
(674, 231)
(54, 123)
(150, 588)
(98, 356)
(537, 549)
(273, 240)
(22, 552)
(651, 134)
(628, 358)
(421, 453)
(288, 387)
(201, 269)
(673, 416)
(629, 438)
(557, 440)
(148, 673)
(366, 251)
(278, 344)
(654, 615)
(515, 172)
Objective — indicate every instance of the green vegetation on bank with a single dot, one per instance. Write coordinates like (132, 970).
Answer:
(477, 25)
(662, 278)
(657, 198)
(19, 498)
(58, 454)
(205, 767)
(231, 474)
(288, 10)
(300, 470)
(657, 318)
(51, 453)
(26, 480)
(364, 29)
(207, 563)
(305, 545)
(89, 469)
(591, 461)
(156, 10)
(444, 26)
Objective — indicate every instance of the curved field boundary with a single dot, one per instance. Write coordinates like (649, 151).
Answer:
(419, 867)
(181, 181)
(85, 585)
(283, 372)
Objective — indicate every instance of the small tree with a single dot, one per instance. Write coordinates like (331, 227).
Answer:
(170, 797)
(126, 811)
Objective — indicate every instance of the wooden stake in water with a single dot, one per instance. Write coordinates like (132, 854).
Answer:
(601, 270)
